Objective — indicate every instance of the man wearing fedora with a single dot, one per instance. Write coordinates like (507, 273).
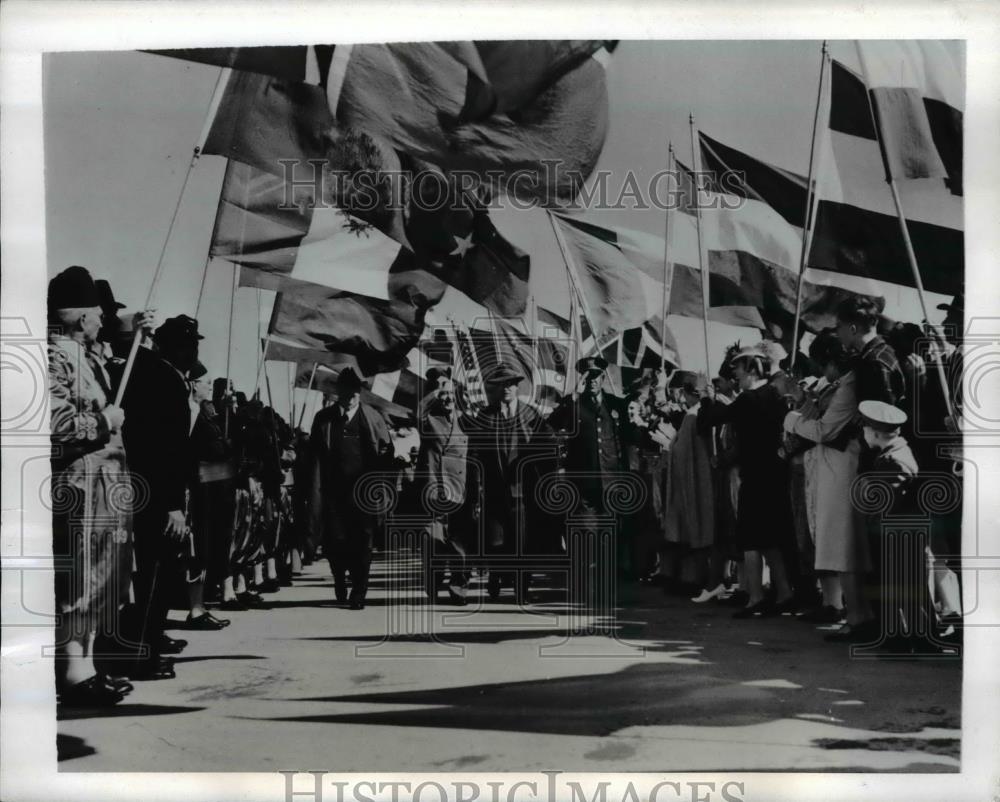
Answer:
(349, 440)
(504, 438)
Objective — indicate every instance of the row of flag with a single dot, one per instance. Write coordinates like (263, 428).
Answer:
(372, 284)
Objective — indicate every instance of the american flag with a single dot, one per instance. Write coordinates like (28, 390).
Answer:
(470, 378)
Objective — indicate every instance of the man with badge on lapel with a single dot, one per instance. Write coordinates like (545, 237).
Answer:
(349, 440)
(592, 424)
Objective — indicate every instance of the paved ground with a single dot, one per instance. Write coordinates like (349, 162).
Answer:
(308, 684)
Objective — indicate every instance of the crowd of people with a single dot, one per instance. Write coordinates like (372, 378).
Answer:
(173, 492)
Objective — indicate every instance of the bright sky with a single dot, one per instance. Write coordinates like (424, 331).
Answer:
(120, 127)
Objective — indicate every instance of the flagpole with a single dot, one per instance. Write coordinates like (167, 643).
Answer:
(668, 273)
(229, 336)
(702, 261)
(312, 378)
(901, 218)
(575, 284)
(220, 86)
(810, 221)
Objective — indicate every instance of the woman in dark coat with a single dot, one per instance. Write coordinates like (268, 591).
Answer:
(764, 526)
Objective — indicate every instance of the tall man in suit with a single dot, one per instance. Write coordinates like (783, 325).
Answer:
(156, 434)
(349, 440)
(503, 436)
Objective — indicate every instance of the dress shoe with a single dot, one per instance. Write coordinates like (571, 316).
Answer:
(655, 580)
(120, 684)
(151, 670)
(269, 586)
(759, 610)
(357, 604)
(787, 607)
(457, 598)
(93, 692)
(167, 645)
(865, 632)
(253, 601)
(827, 614)
(232, 604)
(206, 622)
(708, 595)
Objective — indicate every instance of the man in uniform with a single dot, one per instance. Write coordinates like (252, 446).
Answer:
(594, 453)
(503, 433)
(349, 439)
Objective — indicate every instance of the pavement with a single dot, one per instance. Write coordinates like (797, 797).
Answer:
(494, 687)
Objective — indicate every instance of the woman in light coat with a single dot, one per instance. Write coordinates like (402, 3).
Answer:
(831, 466)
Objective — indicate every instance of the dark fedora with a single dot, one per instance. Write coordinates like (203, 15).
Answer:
(73, 288)
(197, 371)
(180, 330)
(592, 364)
(436, 373)
(109, 306)
(349, 380)
(503, 374)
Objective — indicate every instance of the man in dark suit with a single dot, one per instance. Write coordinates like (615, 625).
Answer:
(593, 427)
(349, 440)
(156, 435)
(504, 438)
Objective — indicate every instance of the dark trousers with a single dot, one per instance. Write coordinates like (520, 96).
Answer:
(157, 576)
(350, 557)
(213, 508)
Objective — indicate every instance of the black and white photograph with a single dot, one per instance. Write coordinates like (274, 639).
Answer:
(452, 406)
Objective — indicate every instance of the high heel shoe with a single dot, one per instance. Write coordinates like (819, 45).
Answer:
(708, 595)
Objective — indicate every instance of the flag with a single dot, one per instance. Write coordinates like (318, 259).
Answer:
(621, 276)
(857, 228)
(273, 219)
(379, 333)
(917, 91)
(753, 226)
(542, 361)
(325, 381)
(481, 107)
(469, 374)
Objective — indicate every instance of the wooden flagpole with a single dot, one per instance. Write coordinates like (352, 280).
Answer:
(903, 230)
(702, 261)
(220, 87)
(668, 271)
(312, 378)
(811, 200)
(575, 284)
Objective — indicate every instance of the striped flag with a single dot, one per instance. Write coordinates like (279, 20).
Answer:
(857, 230)
(469, 374)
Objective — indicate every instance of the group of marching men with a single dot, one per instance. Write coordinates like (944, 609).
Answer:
(172, 492)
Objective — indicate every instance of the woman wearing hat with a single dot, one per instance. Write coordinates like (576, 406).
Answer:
(830, 467)
(764, 527)
(91, 492)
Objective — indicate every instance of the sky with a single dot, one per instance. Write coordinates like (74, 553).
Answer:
(120, 128)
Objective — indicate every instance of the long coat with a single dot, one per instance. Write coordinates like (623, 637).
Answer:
(334, 512)
(595, 442)
(443, 481)
(690, 505)
(91, 490)
(830, 472)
